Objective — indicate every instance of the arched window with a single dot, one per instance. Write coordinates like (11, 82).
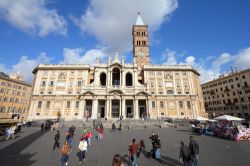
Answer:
(103, 79)
(239, 115)
(129, 79)
(116, 76)
(19, 110)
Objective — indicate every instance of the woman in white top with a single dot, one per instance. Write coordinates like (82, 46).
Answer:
(82, 149)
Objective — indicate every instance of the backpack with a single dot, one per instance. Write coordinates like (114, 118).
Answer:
(186, 152)
(65, 149)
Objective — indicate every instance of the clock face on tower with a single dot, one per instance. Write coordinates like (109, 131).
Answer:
(141, 53)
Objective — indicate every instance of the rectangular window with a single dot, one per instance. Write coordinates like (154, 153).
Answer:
(180, 104)
(153, 104)
(68, 104)
(39, 104)
(77, 104)
(152, 84)
(178, 84)
(189, 104)
(48, 104)
(161, 104)
(79, 83)
(43, 83)
(186, 84)
(51, 83)
(160, 84)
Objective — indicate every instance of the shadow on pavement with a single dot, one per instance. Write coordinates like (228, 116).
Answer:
(12, 156)
(169, 161)
(126, 159)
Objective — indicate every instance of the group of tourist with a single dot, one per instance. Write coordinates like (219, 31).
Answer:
(66, 149)
(189, 155)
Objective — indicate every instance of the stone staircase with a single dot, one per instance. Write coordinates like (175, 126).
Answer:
(125, 123)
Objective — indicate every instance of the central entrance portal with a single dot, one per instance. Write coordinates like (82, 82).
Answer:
(129, 109)
(142, 108)
(115, 108)
(88, 112)
(101, 108)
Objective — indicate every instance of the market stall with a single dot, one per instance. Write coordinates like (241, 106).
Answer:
(230, 127)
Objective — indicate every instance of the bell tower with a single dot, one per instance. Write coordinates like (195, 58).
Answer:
(140, 42)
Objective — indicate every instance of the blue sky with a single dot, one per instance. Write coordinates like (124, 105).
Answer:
(210, 35)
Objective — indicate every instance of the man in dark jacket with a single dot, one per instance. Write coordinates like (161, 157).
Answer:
(57, 138)
(153, 138)
(185, 155)
(194, 149)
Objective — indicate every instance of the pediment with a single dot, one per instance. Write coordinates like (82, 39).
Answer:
(88, 92)
(143, 93)
(116, 92)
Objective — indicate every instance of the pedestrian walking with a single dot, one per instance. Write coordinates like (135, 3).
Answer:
(42, 127)
(194, 149)
(100, 133)
(113, 127)
(152, 137)
(117, 160)
(82, 148)
(69, 140)
(71, 131)
(57, 138)
(132, 152)
(65, 153)
(185, 155)
(89, 136)
(142, 146)
(101, 126)
(157, 147)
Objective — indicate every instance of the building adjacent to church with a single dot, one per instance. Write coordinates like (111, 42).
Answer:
(229, 94)
(14, 96)
(115, 88)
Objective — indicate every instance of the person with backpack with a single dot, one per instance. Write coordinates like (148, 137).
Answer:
(82, 150)
(65, 153)
(132, 152)
(185, 155)
(194, 149)
(57, 138)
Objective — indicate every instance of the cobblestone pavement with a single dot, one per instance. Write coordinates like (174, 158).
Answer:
(34, 148)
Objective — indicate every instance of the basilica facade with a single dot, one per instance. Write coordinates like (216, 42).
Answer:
(115, 88)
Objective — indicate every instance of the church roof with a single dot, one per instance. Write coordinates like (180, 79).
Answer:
(139, 20)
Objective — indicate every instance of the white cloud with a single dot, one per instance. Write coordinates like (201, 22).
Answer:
(78, 56)
(242, 59)
(25, 66)
(222, 59)
(3, 68)
(110, 21)
(170, 57)
(32, 16)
